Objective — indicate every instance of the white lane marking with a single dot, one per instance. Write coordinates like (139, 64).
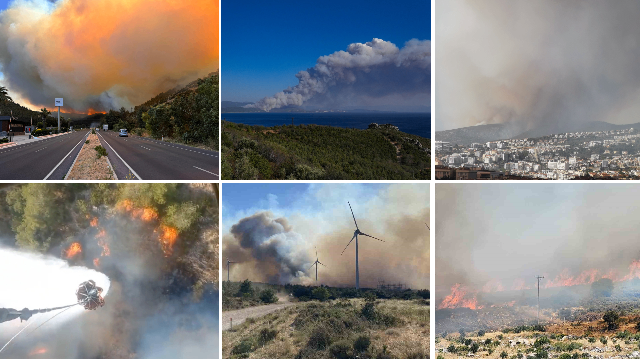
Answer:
(206, 171)
(123, 161)
(74, 147)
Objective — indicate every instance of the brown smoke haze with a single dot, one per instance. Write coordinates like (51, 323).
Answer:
(498, 238)
(533, 64)
(104, 54)
(279, 250)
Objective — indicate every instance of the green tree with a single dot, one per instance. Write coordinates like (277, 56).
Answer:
(4, 95)
(268, 296)
(320, 293)
(44, 113)
(611, 317)
(245, 288)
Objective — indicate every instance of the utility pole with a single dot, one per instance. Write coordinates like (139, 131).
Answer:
(538, 278)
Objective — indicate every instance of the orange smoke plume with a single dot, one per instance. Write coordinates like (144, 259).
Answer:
(106, 54)
(73, 250)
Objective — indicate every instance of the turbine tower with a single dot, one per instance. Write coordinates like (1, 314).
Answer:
(229, 262)
(316, 264)
(355, 235)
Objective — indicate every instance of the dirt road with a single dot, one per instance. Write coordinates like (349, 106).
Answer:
(240, 315)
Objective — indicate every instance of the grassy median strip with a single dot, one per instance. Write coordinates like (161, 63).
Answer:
(91, 163)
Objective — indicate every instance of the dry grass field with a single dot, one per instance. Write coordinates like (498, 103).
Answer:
(343, 328)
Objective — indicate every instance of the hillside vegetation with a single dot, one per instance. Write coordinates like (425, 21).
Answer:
(236, 295)
(312, 152)
(344, 328)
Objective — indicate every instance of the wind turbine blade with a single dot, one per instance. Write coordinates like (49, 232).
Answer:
(322, 264)
(354, 217)
(312, 266)
(427, 226)
(345, 248)
(364, 234)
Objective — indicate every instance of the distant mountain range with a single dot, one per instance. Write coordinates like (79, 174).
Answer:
(495, 132)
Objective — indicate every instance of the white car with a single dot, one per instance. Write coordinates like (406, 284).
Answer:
(123, 133)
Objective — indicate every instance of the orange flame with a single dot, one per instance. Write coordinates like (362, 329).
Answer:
(96, 262)
(38, 351)
(73, 250)
(457, 299)
(94, 222)
(168, 239)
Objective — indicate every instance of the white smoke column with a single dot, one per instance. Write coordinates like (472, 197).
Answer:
(371, 70)
(37, 281)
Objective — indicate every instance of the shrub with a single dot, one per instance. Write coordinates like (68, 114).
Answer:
(481, 333)
(101, 151)
(474, 347)
(362, 344)
(268, 296)
(340, 350)
(369, 311)
(266, 335)
(541, 341)
(87, 141)
(245, 346)
(451, 349)
(611, 317)
(504, 355)
(591, 340)
(320, 338)
(604, 340)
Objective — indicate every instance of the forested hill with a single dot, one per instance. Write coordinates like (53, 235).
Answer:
(23, 114)
(312, 152)
(167, 96)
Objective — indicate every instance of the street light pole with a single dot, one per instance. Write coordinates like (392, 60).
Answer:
(538, 278)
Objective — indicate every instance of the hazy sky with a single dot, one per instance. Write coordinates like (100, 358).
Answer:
(510, 232)
(538, 64)
(273, 229)
(265, 44)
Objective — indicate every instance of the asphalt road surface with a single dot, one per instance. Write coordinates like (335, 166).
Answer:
(142, 158)
(48, 159)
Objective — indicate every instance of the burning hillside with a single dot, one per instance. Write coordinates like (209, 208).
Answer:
(158, 245)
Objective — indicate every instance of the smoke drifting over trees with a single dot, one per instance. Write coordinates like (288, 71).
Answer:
(105, 54)
(537, 64)
(376, 72)
(273, 248)
(495, 238)
(156, 243)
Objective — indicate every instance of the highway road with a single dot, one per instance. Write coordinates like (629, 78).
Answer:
(147, 159)
(131, 157)
(48, 159)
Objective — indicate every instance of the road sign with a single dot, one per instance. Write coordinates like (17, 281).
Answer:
(59, 102)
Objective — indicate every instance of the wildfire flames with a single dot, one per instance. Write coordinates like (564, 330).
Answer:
(73, 250)
(94, 222)
(462, 297)
(168, 235)
(457, 299)
(168, 239)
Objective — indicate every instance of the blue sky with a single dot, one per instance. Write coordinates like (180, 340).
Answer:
(265, 43)
(4, 4)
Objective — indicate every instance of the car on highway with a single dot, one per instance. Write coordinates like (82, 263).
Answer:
(123, 133)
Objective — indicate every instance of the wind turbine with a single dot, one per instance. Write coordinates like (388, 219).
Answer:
(316, 264)
(229, 262)
(355, 235)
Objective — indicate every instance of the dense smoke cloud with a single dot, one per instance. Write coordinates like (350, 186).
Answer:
(547, 64)
(278, 250)
(366, 74)
(269, 242)
(498, 238)
(104, 54)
